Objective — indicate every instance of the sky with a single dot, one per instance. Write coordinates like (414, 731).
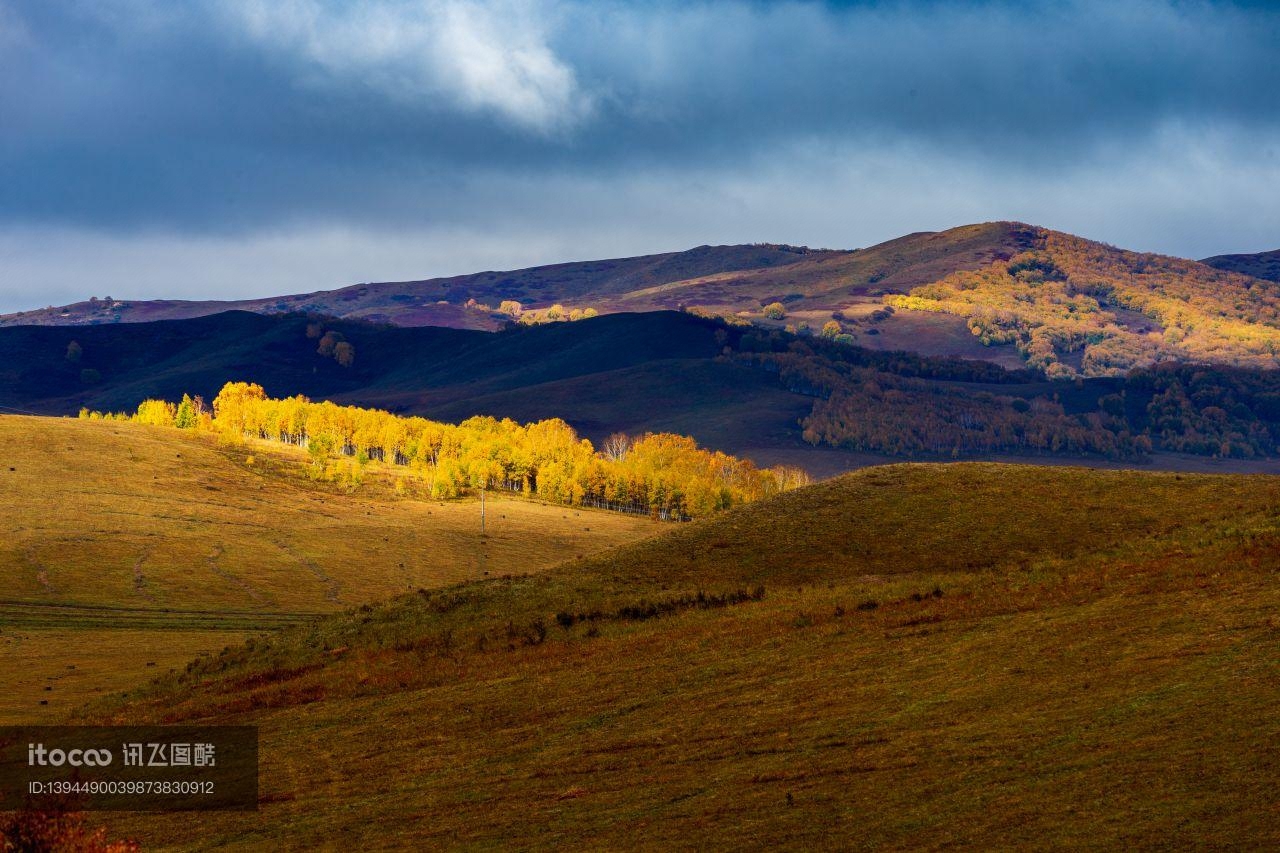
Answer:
(237, 148)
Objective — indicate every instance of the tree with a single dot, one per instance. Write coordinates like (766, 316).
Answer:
(616, 446)
(775, 311)
(329, 343)
(74, 352)
(345, 354)
(831, 330)
(156, 413)
(511, 307)
(186, 414)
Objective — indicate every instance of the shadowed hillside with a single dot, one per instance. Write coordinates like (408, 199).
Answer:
(771, 396)
(130, 362)
(885, 656)
(1259, 265)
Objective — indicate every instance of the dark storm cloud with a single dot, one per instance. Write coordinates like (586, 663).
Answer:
(228, 114)
(235, 147)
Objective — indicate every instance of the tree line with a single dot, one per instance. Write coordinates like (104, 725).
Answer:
(666, 475)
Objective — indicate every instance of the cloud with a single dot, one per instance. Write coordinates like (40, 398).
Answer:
(524, 128)
(820, 194)
(481, 56)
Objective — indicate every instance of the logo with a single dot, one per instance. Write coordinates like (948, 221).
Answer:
(38, 756)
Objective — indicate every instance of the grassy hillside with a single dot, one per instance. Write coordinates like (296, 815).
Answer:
(1259, 265)
(127, 548)
(908, 657)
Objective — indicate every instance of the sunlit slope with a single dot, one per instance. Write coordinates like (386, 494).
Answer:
(127, 548)
(985, 655)
(121, 514)
(1074, 306)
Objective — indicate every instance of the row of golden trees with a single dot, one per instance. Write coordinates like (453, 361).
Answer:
(667, 475)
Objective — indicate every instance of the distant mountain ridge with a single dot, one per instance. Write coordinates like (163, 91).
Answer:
(1005, 292)
(442, 301)
(1258, 265)
(723, 278)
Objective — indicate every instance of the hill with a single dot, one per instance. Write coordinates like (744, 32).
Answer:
(1259, 265)
(126, 548)
(720, 279)
(627, 372)
(1075, 307)
(774, 397)
(443, 301)
(914, 657)
(1005, 292)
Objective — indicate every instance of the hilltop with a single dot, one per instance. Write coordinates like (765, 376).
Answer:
(912, 656)
(128, 549)
(1259, 265)
(1006, 292)
(443, 301)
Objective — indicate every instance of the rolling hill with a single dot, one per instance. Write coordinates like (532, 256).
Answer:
(627, 372)
(1259, 265)
(909, 657)
(126, 548)
(773, 397)
(1006, 292)
(442, 302)
(724, 279)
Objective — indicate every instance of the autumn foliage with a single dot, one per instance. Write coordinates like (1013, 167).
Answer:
(1075, 307)
(666, 475)
(908, 405)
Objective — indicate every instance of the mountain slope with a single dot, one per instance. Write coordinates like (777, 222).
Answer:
(627, 372)
(723, 278)
(442, 301)
(915, 656)
(1073, 306)
(168, 358)
(1260, 265)
(769, 396)
(1006, 292)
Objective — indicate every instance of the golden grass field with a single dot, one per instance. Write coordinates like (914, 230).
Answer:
(127, 550)
(976, 655)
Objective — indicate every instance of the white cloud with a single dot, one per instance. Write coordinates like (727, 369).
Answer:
(489, 56)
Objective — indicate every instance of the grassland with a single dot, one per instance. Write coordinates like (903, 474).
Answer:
(127, 550)
(910, 657)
